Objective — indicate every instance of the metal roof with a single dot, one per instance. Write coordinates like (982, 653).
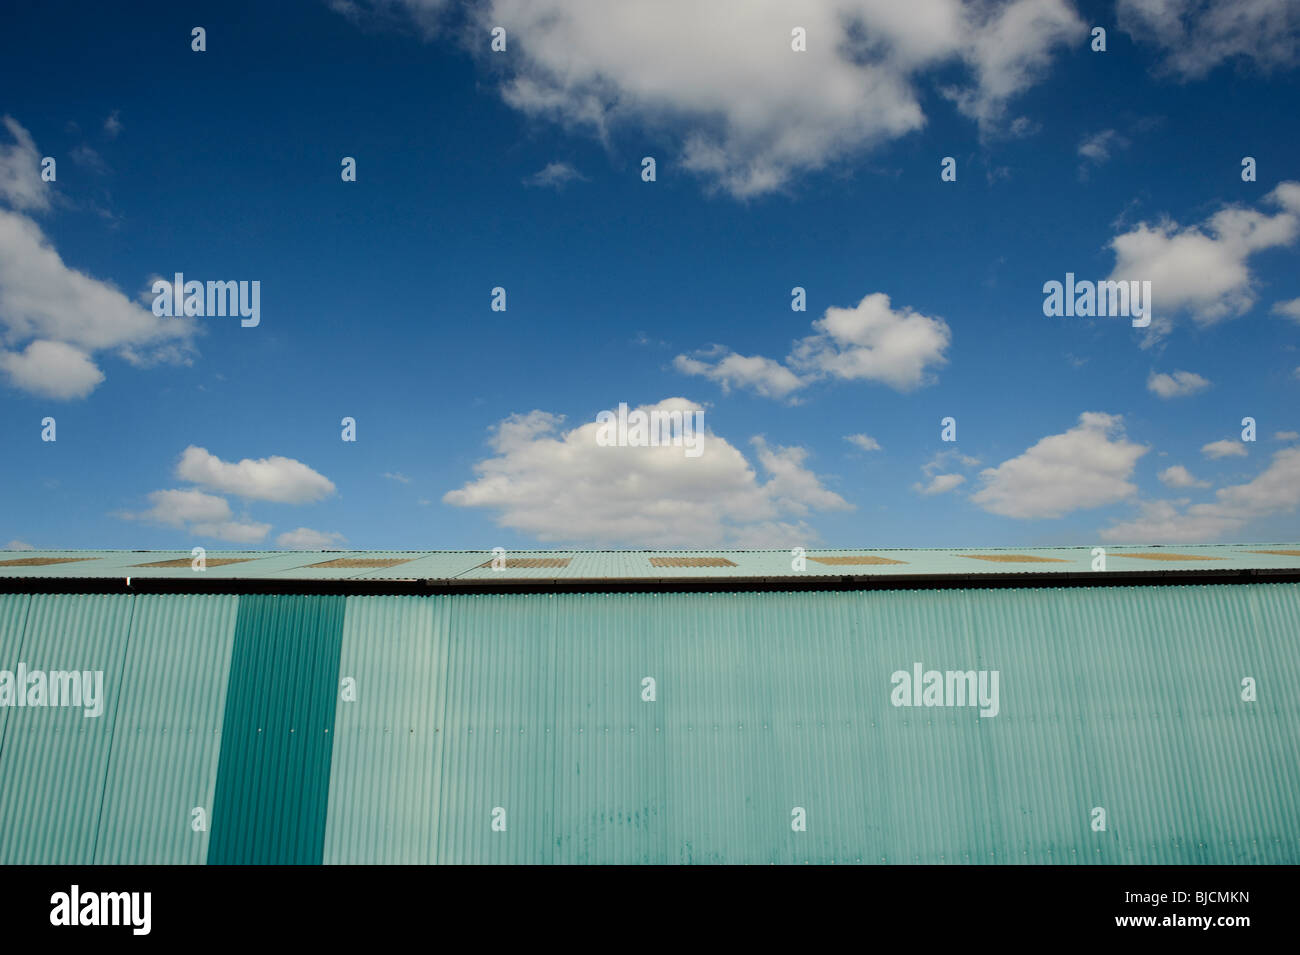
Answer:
(470, 567)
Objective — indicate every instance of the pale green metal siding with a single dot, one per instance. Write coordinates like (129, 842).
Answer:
(385, 778)
(54, 759)
(168, 734)
(1123, 698)
(1127, 699)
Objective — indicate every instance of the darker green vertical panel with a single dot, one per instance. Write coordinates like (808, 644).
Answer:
(277, 737)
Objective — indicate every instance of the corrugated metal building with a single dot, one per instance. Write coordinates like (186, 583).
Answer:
(425, 707)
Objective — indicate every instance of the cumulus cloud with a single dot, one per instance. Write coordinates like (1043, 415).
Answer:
(939, 484)
(304, 538)
(1227, 448)
(721, 83)
(761, 375)
(1087, 466)
(265, 479)
(864, 441)
(51, 370)
(113, 124)
(53, 318)
(554, 175)
(1203, 270)
(1178, 385)
(1194, 36)
(1097, 147)
(201, 514)
(1178, 476)
(1274, 492)
(21, 186)
(1286, 435)
(871, 341)
(560, 485)
(1289, 308)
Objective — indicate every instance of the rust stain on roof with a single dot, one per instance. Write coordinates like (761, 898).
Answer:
(362, 562)
(512, 563)
(1280, 553)
(690, 562)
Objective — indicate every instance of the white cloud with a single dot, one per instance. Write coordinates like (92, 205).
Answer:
(874, 342)
(555, 175)
(761, 375)
(720, 82)
(939, 484)
(1178, 385)
(1227, 448)
(265, 479)
(1289, 308)
(21, 186)
(397, 476)
(943, 460)
(42, 300)
(1286, 435)
(1274, 492)
(1194, 36)
(113, 124)
(1203, 269)
(864, 441)
(179, 507)
(1178, 476)
(1097, 148)
(870, 342)
(18, 545)
(304, 538)
(51, 370)
(561, 486)
(201, 514)
(1085, 467)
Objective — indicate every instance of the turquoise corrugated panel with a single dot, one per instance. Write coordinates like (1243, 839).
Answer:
(168, 735)
(273, 774)
(1126, 699)
(385, 770)
(54, 758)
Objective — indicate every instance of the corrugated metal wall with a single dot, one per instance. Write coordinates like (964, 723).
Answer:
(1127, 699)
(273, 776)
(168, 733)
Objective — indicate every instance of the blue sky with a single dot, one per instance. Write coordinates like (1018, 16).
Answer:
(775, 168)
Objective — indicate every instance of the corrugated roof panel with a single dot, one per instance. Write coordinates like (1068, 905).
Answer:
(54, 758)
(653, 565)
(386, 768)
(168, 734)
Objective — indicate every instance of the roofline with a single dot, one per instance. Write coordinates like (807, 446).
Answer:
(352, 586)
